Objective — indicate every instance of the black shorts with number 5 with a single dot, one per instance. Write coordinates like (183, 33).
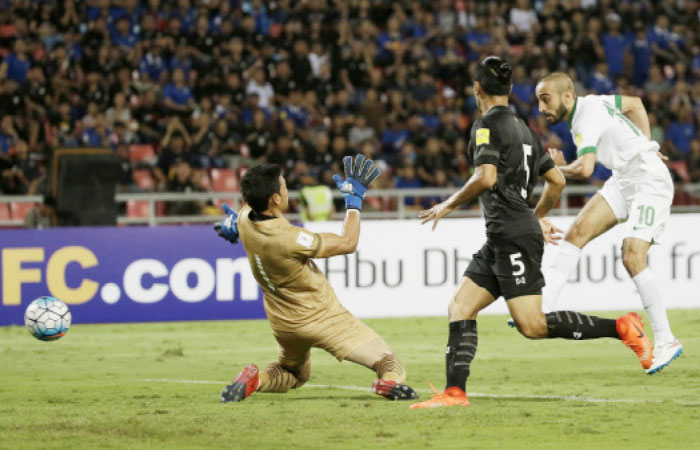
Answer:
(510, 266)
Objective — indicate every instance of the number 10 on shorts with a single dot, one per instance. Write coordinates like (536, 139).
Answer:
(646, 215)
(518, 267)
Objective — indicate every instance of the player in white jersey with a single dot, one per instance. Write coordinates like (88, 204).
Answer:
(614, 130)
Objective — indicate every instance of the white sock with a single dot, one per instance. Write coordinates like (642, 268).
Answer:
(654, 305)
(559, 272)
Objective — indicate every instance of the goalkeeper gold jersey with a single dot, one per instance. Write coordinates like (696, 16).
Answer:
(295, 291)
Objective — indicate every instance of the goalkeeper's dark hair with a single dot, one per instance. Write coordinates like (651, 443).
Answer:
(259, 184)
(495, 75)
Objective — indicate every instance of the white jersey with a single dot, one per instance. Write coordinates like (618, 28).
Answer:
(598, 126)
(640, 191)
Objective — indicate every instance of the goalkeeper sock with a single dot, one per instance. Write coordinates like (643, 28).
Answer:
(461, 348)
(390, 368)
(276, 378)
(573, 325)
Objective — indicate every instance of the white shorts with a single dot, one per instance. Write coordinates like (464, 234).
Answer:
(644, 203)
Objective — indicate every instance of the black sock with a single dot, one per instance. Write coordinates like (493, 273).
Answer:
(461, 348)
(573, 325)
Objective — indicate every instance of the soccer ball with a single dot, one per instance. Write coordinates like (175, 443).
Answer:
(47, 318)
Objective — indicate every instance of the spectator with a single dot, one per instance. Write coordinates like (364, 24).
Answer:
(360, 132)
(600, 81)
(614, 44)
(177, 96)
(407, 179)
(261, 88)
(429, 162)
(389, 43)
(175, 146)
(43, 215)
(680, 133)
(258, 137)
(119, 112)
(394, 136)
(183, 180)
(147, 117)
(641, 53)
(16, 65)
(8, 135)
(99, 135)
(523, 92)
(656, 83)
(523, 18)
(125, 180)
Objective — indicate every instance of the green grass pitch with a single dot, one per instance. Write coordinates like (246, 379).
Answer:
(104, 386)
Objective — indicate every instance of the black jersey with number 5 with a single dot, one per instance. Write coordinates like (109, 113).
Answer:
(502, 139)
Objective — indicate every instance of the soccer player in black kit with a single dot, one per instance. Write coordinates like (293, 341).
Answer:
(508, 160)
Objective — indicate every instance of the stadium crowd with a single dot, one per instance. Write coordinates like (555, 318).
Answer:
(228, 83)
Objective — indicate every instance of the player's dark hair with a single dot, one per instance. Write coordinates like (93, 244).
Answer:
(495, 75)
(259, 184)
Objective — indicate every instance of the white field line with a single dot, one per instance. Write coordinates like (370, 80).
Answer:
(568, 398)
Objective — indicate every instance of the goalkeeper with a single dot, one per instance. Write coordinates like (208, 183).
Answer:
(301, 306)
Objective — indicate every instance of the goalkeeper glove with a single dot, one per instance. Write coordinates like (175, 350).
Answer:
(357, 179)
(228, 228)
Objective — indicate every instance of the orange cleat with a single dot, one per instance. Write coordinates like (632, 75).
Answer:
(631, 331)
(245, 384)
(452, 396)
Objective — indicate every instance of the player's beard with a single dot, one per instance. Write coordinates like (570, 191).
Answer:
(560, 114)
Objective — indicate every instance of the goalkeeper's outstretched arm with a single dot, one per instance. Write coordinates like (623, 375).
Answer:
(359, 174)
(345, 243)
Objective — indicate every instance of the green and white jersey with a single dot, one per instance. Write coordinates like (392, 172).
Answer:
(598, 126)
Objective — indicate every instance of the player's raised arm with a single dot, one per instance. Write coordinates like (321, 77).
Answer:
(484, 178)
(358, 177)
(633, 108)
(581, 168)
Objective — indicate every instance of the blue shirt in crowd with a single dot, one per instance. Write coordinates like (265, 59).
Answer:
(152, 66)
(92, 139)
(180, 96)
(394, 138)
(601, 84)
(17, 69)
(681, 134)
(6, 143)
(479, 39)
(525, 92)
(615, 47)
(641, 51)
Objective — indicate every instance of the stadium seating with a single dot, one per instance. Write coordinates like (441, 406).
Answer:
(144, 180)
(205, 181)
(224, 180)
(681, 169)
(4, 212)
(140, 154)
(20, 210)
(137, 208)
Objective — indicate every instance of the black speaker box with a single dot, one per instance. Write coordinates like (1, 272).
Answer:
(84, 182)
